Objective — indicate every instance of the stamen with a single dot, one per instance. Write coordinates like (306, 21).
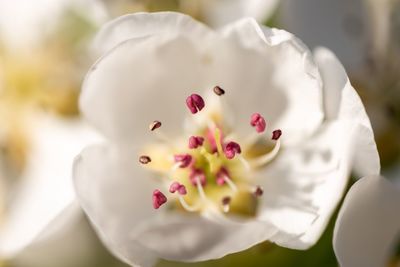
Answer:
(258, 192)
(218, 90)
(258, 122)
(199, 184)
(276, 134)
(226, 201)
(223, 177)
(195, 141)
(195, 103)
(175, 186)
(144, 159)
(158, 199)
(266, 158)
(184, 160)
(244, 162)
(218, 140)
(154, 125)
(186, 206)
(197, 176)
(231, 149)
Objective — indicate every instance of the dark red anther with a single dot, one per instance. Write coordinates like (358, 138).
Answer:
(276, 134)
(195, 142)
(258, 192)
(144, 159)
(175, 186)
(195, 103)
(231, 149)
(184, 160)
(196, 175)
(258, 122)
(218, 90)
(158, 199)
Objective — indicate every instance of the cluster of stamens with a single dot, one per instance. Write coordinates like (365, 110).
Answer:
(211, 164)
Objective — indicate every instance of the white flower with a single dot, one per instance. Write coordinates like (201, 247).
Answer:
(368, 223)
(252, 188)
(45, 189)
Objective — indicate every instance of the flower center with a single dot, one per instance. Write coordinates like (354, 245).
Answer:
(210, 169)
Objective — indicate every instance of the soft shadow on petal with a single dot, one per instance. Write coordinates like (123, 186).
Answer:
(341, 102)
(304, 185)
(368, 223)
(193, 238)
(271, 72)
(140, 81)
(115, 192)
(140, 25)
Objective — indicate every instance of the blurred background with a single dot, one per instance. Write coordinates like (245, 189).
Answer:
(44, 55)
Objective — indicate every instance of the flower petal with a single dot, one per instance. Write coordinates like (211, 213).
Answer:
(46, 188)
(113, 192)
(140, 81)
(343, 103)
(273, 73)
(304, 184)
(368, 223)
(139, 25)
(194, 238)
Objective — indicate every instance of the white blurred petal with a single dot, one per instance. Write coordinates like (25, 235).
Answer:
(368, 223)
(46, 186)
(23, 22)
(343, 103)
(221, 12)
(340, 25)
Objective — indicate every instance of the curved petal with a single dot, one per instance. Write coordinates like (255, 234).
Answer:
(218, 13)
(194, 238)
(116, 195)
(140, 81)
(341, 102)
(340, 25)
(368, 223)
(139, 25)
(304, 185)
(272, 72)
(46, 188)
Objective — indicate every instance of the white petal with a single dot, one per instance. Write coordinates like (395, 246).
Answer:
(368, 223)
(271, 72)
(46, 187)
(67, 241)
(139, 25)
(304, 185)
(343, 103)
(140, 81)
(221, 12)
(196, 238)
(340, 25)
(116, 193)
